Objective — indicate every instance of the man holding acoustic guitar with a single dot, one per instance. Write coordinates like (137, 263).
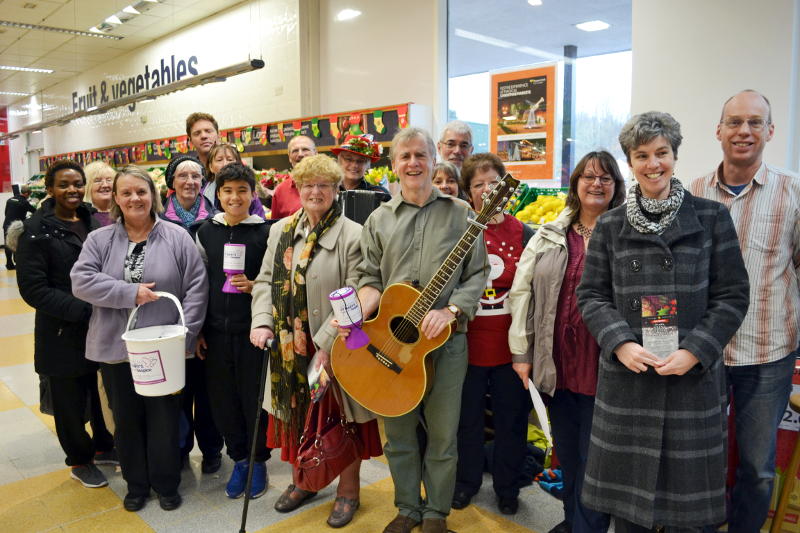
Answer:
(414, 238)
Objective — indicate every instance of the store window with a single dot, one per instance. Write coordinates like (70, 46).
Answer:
(509, 35)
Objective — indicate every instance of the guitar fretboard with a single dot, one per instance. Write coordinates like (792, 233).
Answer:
(442, 277)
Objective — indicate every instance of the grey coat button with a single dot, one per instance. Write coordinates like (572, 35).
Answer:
(636, 265)
(635, 304)
(666, 264)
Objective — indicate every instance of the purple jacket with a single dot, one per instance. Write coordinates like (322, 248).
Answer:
(171, 261)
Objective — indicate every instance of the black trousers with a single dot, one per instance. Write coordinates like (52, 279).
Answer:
(9, 257)
(146, 434)
(197, 410)
(571, 420)
(70, 396)
(510, 407)
(233, 368)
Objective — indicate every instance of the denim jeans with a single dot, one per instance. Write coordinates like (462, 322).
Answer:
(760, 395)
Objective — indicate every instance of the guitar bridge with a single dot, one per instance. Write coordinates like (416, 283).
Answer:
(384, 359)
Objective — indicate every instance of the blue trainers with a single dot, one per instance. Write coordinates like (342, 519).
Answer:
(236, 484)
(259, 483)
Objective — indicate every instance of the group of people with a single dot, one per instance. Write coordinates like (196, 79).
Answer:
(640, 314)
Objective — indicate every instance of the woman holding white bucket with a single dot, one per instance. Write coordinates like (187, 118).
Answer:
(119, 268)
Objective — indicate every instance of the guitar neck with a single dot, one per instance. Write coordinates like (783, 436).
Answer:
(434, 289)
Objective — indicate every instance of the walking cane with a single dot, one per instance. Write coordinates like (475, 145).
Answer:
(270, 345)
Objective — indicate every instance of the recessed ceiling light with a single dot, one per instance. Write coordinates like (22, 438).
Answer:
(26, 69)
(535, 2)
(131, 10)
(12, 93)
(113, 19)
(592, 25)
(347, 14)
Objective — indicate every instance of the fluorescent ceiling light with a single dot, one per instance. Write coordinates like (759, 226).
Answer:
(485, 39)
(12, 93)
(347, 14)
(26, 69)
(535, 2)
(592, 25)
(131, 10)
(113, 19)
(25, 26)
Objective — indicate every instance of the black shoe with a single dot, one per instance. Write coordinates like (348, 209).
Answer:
(169, 503)
(134, 503)
(563, 527)
(11, 267)
(211, 464)
(508, 505)
(461, 499)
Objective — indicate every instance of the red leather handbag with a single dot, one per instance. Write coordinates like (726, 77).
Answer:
(329, 444)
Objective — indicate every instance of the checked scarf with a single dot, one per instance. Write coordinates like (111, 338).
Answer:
(649, 215)
(289, 363)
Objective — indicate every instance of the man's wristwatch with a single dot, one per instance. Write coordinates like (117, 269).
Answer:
(454, 309)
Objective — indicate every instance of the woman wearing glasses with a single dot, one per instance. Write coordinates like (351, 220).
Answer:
(657, 449)
(548, 334)
(489, 367)
(309, 255)
(99, 178)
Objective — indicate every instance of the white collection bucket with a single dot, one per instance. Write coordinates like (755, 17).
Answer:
(157, 354)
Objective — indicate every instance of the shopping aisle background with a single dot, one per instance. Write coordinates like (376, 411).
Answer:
(37, 494)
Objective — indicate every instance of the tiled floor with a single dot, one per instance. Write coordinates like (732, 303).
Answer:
(37, 494)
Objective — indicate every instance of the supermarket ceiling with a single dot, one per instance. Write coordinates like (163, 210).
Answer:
(67, 55)
(506, 33)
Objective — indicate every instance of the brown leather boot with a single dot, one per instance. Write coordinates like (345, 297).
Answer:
(434, 525)
(401, 524)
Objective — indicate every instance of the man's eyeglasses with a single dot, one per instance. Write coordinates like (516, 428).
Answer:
(755, 124)
(604, 180)
(453, 145)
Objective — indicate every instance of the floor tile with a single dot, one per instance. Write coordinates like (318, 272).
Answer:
(16, 306)
(11, 325)
(23, 382)
(16, 350)
(8, 400)
(117, 520)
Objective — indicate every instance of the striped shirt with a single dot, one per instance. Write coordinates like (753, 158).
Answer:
(767, 218)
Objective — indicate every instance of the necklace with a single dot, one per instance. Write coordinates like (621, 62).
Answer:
(583, 231)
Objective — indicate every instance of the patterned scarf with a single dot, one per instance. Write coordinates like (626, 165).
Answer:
(187, 217)
(289, 363)
(650, 215)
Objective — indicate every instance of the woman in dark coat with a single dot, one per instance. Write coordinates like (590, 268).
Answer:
(663, 291)
(49, 246)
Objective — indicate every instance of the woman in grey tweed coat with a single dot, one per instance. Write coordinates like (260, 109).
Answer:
(658, 447)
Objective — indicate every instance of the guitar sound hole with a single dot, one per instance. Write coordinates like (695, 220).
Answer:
(404, 330)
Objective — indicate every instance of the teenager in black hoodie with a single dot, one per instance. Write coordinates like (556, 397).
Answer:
(48, 247)
(233, 364)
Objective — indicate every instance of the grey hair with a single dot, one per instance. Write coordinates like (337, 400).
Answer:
(183, 164)
(24, 189)
(448, 168)
(136, 172)
(406, 134)
(643, 128)
(458, 127)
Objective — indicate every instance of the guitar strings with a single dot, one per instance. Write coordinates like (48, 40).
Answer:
(407, 326)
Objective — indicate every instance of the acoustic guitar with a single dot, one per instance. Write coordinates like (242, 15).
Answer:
(390, 375)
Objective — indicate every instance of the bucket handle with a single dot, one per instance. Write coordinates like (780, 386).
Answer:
(160, 294)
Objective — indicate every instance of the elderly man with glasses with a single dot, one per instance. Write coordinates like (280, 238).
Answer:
(455, 144)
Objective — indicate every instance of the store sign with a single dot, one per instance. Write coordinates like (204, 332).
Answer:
(522, 131)
(167, 71)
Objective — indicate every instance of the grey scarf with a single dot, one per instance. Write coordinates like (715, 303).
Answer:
(649, 215)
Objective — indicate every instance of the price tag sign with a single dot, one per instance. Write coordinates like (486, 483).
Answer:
(791, 420)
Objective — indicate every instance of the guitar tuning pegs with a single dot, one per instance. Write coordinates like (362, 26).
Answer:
(484, 196)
